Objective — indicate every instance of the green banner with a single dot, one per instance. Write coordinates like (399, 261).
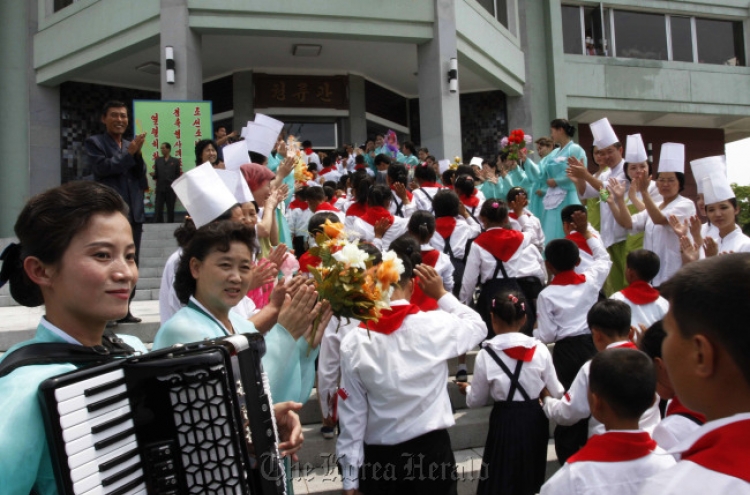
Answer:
(179, 123)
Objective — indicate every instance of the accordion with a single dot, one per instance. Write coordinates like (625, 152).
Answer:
(191, 419)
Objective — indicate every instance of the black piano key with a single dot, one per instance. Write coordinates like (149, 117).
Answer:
(122, 474)
(106, 466)
(127, 487)
(114, 439)
(95, 406)
(103, 387)
(111, 423)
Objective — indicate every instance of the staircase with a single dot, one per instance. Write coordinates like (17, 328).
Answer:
(316, 471)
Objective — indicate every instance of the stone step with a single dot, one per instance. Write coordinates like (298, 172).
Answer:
(159, 243)
(157, 252)
(158, 227)
(149, 282)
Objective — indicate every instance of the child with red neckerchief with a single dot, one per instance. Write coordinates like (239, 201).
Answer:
(706, 352)
(647, 306)
(620, 460)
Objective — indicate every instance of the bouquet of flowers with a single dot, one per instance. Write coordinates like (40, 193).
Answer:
(347, 279)
(294, 150)
(514, 143)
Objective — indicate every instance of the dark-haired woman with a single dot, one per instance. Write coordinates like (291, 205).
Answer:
(76, 257)
(206, 150)
(512, 369)
(561, 190)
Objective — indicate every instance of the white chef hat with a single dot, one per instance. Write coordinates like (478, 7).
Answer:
(476, 161)
(204, 194)
(716, 187)
(703, 166)
(672, 158)
(237, 184)
(603, 133)
(635, 151)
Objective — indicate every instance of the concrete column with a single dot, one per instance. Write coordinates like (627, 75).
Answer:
(14, 100)
(357, 119)
(242, 98)
(175, 32)
(439, 109)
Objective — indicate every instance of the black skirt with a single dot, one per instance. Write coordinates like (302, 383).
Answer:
(515, 454)
(424, 465)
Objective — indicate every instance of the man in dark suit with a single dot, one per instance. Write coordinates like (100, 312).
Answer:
(119, 164)
(166, 169)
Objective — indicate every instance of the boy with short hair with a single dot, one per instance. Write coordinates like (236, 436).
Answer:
(621, 388)
(706, 352)
(646, 305)
(609, 321)
(570, 215)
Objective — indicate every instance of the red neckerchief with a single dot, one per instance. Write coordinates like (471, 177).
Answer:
(615, 447)
(723, 450)
(580, 241)
(422, 300)
(390, 319)
(568, 277)
(360, 166)
(513, 215)
(445, 226)
(625, 345)
(430, 184)
(298, 204)
(327, 169)
(408, 193)
(308, 151)
(325, 206)
(500, 243)
(470, 201)
(430, 257)
(307, 260)
(640, 292)
(676, 407)
(520, 353)
(356, 210)
(375, 213)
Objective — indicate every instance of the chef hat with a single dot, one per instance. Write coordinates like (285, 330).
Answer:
(672, 158)
(703, 166)
(635, 152)
(716, 187)
(476, 161)
(204, 194)
(603, 133)
(236, 183)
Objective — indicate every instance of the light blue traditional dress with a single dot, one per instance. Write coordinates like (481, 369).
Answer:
(564, 194)
(25, 461)
(285, 236)
(538, 183)
(498, 190)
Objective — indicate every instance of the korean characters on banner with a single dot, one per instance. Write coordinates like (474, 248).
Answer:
(179, 123)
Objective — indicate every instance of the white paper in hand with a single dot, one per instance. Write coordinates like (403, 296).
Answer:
(260, 139)
(235, 155)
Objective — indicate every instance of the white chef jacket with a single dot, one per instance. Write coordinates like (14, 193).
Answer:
(611, 231)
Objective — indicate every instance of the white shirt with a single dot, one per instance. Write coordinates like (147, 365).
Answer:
(610, 478)
(661, 239)
(672, 430)
(298, 220)
(611, 231)
(169, 304)
(490, 381)
(407, 209)
(480, 265)
(329, 360)
(533, 226)
(421, 201)
(735, 241)
(644, 314)
(689, 478)
(396, 384)
(574, 406)
(443, 266)
(561, 310)
(464, 230)
(356, 225)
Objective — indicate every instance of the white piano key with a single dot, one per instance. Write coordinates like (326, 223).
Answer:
(87, 441)
(96, 478)
(84, 428)
(91, 453)
(104, 490)
(68, 392)
(81, 401)
(92, 467)
(82, 415)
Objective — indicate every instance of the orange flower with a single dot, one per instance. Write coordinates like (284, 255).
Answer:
(333, 230)
(387, 273)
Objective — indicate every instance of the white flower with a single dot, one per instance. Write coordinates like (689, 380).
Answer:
(352, 256)
(397, 263)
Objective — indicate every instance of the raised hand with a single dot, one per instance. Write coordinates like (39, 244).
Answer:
(616, 188)
(688, 250)
(430, 281)
(710, 247)
(263, 273)
(381, 227)
(680, 228)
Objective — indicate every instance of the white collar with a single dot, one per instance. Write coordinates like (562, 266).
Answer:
(58, 331)
(210, 315)
(695, 435)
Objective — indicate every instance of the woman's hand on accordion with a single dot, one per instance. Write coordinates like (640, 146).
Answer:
(289, 427)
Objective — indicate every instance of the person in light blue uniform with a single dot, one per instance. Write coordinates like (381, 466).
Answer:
(496, 183)
(538, 187)
(561, 190)
(77, 257)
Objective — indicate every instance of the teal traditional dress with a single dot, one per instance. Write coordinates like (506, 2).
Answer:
(285, 235)
(498, 190)
(538, 183)
(564, 194)
(25, 462)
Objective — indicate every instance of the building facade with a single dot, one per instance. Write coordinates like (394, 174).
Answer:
(338, 71)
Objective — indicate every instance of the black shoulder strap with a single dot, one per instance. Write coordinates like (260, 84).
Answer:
(690, 417)
(399, 208)
(57, 352)
(514, 376)
(426, 194)
(447, 249)
(499, 267)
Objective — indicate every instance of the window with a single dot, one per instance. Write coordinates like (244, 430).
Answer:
(571, 19)
(61, 4)
(639, 35)
(719, 42)
(497, 9)
(596, 25)
(322, 134)
(682, 38)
